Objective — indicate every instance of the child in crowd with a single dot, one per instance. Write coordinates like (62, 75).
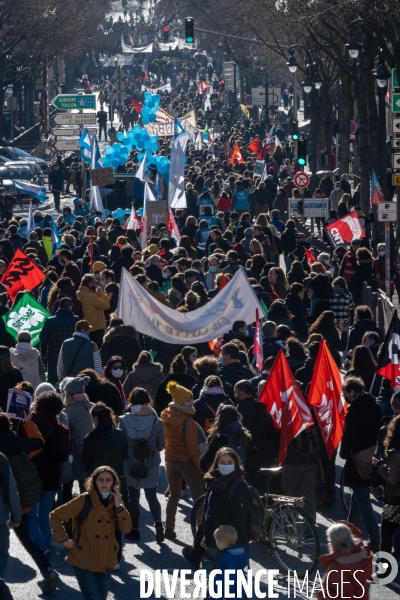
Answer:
(231, 556)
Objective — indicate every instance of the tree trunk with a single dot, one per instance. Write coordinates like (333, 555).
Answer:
(319, 106)
(363, 141)
(328, 126)
(26, 102)
(344, 150)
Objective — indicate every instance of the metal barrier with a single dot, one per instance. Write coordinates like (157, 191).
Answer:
(380, 304)
(28, 140)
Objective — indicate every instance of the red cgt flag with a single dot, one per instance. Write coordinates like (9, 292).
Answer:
(216, 345)
(137, 105)
(21, 274)
(285, 403)
(256, 147)
(346, 229)
(310, 257)
(236, 154)
(325, 396)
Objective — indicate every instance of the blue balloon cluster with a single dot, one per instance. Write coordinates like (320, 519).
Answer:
(117, 154)
(150, 107)
(138, 138)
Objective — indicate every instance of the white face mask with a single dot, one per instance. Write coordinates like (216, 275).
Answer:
(226, 469)
(103, 283)
(165, 275)
(117, 373)
(381, 252)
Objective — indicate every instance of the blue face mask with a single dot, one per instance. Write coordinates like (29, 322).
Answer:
(226, 469)
(247, 332)
(212, 269)
(105, 495)
(222, 360)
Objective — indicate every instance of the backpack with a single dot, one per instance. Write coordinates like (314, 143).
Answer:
(27, 479)
(237, 442)
(255, 519)
(140, 458)
(201, 436)
(83, 515)
(306, 444)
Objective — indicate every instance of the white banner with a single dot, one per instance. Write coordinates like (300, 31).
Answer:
(164, 88)
(118, 59)
(160, 129)
(176, 184)
(129, 50)
(235, 302)
(163, 116)
(190, 117)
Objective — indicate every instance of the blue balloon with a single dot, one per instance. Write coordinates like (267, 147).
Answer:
(120, 136)
(108, 150)
(156, 98)
(115, 147)
(122, 160)
(164, 161)
(127, 142)
(139, 146)
(140, 156)
(145, 120)
(150, 104)
(154, 139)
(106, 161)
(138, 136)
(154, 147)
(124, 152)
(115, 162)
(148, 96)
(137, 129)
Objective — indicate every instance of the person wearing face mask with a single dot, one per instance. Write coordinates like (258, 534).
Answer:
(380, 269)
(167, 273)
(221, 507)
(213, 271)
(93, 547)
(240, 332)
(182, 451)
(115, 371)
(190, 354)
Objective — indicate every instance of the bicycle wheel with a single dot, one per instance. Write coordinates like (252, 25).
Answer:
(294, 539)
(197, 514)
(345, 494)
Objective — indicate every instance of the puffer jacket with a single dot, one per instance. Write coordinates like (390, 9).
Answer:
(97, 548)
(390, 471)
(181, 442)
(28, 361)
(147, 376)
(121, 341)
(94, 304)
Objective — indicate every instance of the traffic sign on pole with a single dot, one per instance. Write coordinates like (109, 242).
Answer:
(73, 101)
(395, 81)
(66, 144)
(76, 119)
(396, 180)
(395, 143)
(301, 180)
(65, 131)
(395, 103)
(396, 161)
(353, 127)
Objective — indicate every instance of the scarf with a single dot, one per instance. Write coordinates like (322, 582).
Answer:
(142, 410)
(119, 386)
(220, 483)
(233, 427)
(62, 439)
(79, 397)
(214, 391)
(189, 410)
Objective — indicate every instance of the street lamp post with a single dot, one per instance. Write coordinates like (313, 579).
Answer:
(292, 64)
(382, 75)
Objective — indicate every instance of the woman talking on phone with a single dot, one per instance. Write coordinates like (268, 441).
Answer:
(92, 546)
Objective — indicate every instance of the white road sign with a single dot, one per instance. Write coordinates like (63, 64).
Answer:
(274, 96)
(301, 180)
(75, 118)
(66, 144)
(387, 212)
(65, 131)
(396, 125)
(396, 161)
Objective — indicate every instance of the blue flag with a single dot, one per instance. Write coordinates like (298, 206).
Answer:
(37, 191)
(178, 128)
(84, 143)
(55, 236)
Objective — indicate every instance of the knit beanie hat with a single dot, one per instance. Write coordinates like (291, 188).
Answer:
(44, 387)
(153, 248)
(179, 393)
(98, 266)
(74, 385)
(64, 282)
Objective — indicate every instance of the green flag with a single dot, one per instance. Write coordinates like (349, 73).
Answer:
(26, 315)
(265, 309)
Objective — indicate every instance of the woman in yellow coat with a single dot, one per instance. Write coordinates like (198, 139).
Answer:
(93, 547)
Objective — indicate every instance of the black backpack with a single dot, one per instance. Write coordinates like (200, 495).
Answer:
(237, 442)
(254, 525)
(140, 458)
(83, 515)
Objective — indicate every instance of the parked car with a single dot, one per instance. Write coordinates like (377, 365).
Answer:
(16, 154)
(19, 173)
(38, 177)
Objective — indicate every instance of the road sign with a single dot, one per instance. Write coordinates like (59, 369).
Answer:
(301, 180)
(76, 119)
(396, 180)
(387, 212)
(396, 161)
(258, 96)
(315, 207)
(92, 130)
(395, 102)
(71, 144)
(294, 208)
(395, 143)
(65, 131)
(353, 127)
(396, 125)
(71, 101)
(395, 81)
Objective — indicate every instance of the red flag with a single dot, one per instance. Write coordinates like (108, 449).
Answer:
(134, 221)
(236, 154)
(223, 282)
(264, 150)
(21, 274)
(346, 229)
(172, 226)
(216, 345)
(325, 396)
(203, 87)
(310, 257)
(258, 345)
(256, 147)
(285, 403)
(377, 194)
(389, 361)
(137, 105)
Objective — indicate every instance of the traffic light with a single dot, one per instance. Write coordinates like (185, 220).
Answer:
(166, 34)
(302, 152)
(295, 130)
(189, 30)
(222, 84)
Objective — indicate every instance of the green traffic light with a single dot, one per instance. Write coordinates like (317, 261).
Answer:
(295, 136)
(189, 40)
(301, 161)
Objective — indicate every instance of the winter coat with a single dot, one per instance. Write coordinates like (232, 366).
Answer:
(206, 407)
(55, 331)
(104, 246)
(389, 470)
(364, 272)
(94, 304)
(304, 374)
(233, 371)
(300, 311)
(220, 509)
(69, 290)
(181, 441)
(144, 424)
(48, 460)
(28, 361)
(348, 573)
(147, 376)
(234, 558)
(122, 262)
(80, 424)
(361, 427)
(7, 381)
(154, 273)
(97, 548)
(121, 341)
(9, 501)
(288, 241)
(162, 397)
(335, 197)
(358, 331)
(258, 422)
(105, 392)
(105, 447)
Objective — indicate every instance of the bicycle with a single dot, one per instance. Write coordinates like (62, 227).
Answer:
(289, 532)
